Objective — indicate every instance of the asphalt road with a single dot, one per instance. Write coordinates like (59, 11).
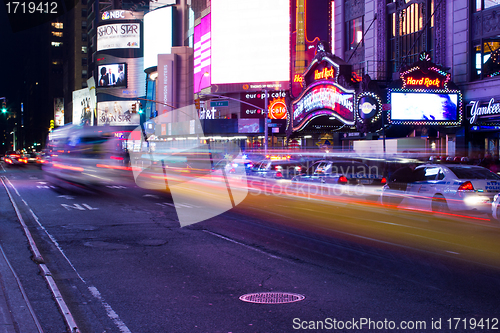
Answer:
(123, 263)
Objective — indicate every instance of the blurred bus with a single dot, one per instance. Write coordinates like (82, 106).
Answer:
(87, 155)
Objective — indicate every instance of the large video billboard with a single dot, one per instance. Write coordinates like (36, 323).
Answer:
(118, 36)
(202, 54)
(158, 34)
(250, 41)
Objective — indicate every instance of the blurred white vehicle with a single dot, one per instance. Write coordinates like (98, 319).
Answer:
(87, 155)
(445, 187)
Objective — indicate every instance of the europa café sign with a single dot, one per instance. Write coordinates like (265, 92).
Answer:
(322, 95)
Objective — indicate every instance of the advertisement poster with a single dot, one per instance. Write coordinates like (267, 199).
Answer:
(118, 36)
(59, 111)
(117, 113)
(82, 110)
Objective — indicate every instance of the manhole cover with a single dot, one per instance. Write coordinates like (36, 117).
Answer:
(272, 298)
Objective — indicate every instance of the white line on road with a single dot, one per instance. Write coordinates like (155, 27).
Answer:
(93, 290)
(247, 246)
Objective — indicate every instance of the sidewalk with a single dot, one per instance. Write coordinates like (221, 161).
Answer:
(16, 314)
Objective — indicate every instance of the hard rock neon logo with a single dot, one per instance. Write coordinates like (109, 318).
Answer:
(277, 109)
(324, 74)
(423, 82)
(299, 78)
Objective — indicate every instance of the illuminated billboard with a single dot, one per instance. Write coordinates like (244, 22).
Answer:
(117, 113)
(118, 36)
(202, 54)
(250, 41)
(158, 35)
(323, 99)
(112, 75)
(82, 107)
(425, 96)
(59, 111)
(308, 21)
(255, 101)
(424, 108)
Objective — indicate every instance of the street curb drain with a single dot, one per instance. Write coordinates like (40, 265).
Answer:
(272, 298)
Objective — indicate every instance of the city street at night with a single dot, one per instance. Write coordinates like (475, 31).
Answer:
(249, 166)
(123, 263)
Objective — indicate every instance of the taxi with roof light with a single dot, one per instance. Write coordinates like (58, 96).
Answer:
(444, 188)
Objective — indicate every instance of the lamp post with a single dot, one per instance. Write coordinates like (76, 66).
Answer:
(14, 140)
(201, 78)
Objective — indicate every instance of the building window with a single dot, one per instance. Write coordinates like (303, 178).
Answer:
(84, 84)
(57, 33)
(84, 50)
(56, 44)
(411, 32)
(485, 4)
(84, 37)
(84, 61)
(57, 25)
(486, 59)
(84, 24)
(84, 73)
(354, 30)
(84, 12)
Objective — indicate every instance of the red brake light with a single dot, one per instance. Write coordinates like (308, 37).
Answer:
(342, 179)
(383, 180)
(279, 174)
(467, 186)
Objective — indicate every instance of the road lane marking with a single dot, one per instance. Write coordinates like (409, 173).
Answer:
(93, 290)
(245, 245)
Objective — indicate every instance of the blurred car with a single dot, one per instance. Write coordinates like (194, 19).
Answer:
(12, 158)
(31, 157)
(277, 168)
(341, 172)
(239, 165)
(444, 187)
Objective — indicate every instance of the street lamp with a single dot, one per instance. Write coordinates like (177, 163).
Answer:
(14, 142)
(201, 78)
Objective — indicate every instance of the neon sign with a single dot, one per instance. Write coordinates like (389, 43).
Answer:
(324, 100)
(477, 111)
(324, 74)
(277, 109)
(425, 81)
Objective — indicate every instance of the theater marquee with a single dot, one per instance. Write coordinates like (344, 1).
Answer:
(323, 99)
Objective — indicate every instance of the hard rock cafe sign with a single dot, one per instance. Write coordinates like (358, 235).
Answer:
(322, 96)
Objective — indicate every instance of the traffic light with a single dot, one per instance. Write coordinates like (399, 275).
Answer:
(134, 108)
(52, 124)
(4, 106)
(141, 110)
